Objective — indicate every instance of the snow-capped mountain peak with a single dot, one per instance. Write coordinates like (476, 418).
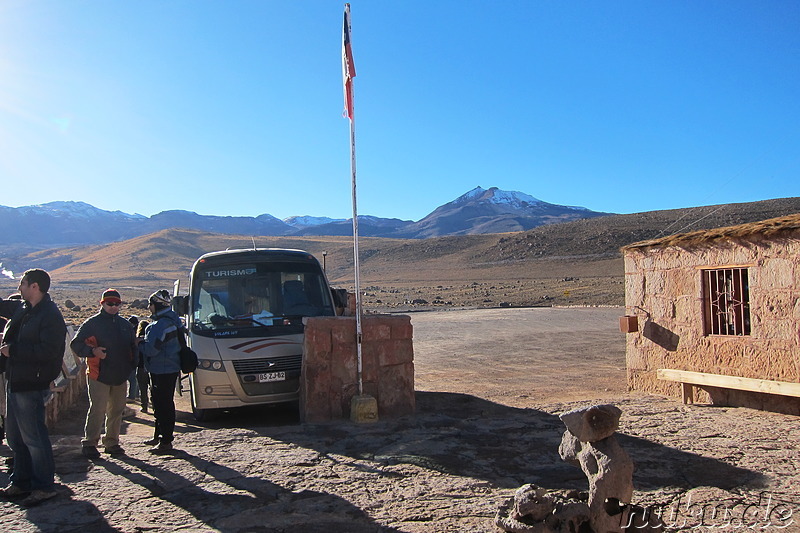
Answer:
(304, 221)
(496, 196)
(508, 199)
(76, 210)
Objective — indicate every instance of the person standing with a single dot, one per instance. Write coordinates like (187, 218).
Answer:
(108, 343)
(160, 348)
(33, 348)
(142, 377)
(7, 309)
(133, 384)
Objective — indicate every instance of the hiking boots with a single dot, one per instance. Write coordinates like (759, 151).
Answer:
(12, 492)
(162, 448)
(38, 496)
(114, 450)
(90, 452)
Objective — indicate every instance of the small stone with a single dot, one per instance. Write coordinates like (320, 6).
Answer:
(532, 503)
(592, 424)
(569, 448)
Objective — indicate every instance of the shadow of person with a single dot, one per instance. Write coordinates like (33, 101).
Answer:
(217, 496)
(66, 512)
(227, 500)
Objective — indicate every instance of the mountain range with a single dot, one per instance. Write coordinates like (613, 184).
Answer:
(479, 211)
(585, 248)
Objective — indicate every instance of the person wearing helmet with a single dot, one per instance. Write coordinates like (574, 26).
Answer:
(160, 349)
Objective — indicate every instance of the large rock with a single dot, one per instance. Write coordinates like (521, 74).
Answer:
(609, 470)
(589, 443)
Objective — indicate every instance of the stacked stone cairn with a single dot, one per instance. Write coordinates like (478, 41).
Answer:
(588, 443)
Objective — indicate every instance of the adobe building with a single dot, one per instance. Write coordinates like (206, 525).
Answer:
(715, 315)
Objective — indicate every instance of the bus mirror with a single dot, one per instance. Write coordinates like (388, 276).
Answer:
(339, 300)
(180, 304)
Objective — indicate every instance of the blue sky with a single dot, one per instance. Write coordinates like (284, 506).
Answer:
(235, 107)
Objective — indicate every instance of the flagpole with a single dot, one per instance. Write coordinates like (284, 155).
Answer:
(349, 74)
(356, 262)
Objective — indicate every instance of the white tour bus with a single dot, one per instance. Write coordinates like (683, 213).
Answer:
(244, 314)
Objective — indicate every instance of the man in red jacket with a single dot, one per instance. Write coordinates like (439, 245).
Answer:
(108, 343)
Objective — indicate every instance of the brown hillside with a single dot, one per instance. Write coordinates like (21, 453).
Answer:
(603, 237)
(575, 263)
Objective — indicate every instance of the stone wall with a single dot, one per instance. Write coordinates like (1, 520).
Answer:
(329, 378)
(663, 288)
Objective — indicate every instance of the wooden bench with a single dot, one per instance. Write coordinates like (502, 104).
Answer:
(689, 380)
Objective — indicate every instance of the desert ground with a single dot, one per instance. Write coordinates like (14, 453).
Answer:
(490, 385)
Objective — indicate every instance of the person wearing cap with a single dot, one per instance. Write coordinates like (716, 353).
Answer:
(160, 349)
(108, 343)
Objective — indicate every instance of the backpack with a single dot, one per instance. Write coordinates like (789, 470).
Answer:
(188, 360)
(187, 355)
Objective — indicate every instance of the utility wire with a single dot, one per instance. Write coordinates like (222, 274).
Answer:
(715, 191)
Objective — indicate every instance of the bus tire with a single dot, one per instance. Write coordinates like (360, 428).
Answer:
(201, 415)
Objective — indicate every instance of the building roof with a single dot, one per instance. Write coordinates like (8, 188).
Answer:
(771, 228)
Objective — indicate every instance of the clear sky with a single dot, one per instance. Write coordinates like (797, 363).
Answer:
(235, 107)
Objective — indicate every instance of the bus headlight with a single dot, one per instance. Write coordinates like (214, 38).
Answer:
(213, 365)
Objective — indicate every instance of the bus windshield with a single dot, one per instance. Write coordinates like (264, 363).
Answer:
(258, 294)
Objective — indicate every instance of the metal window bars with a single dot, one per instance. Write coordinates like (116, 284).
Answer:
(726, 301)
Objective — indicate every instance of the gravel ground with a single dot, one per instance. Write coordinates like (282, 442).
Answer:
(490, 384)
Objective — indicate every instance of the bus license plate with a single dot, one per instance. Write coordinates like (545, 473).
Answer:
(271, 376)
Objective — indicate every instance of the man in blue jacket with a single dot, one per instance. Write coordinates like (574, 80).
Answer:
(108, 343)
(160, 349)
(33, 350)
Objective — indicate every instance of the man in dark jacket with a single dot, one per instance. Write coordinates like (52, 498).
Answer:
(108, 343)
(8, 307)
(33, 348)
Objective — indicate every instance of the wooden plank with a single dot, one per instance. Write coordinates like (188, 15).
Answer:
(714, 267)
(766, 386)
(688, 392)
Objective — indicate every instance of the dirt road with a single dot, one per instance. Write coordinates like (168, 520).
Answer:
(521, 357)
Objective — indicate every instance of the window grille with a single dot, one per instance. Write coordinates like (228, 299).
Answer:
(726, 301)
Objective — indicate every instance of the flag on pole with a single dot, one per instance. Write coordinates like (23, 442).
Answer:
(348, 67)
